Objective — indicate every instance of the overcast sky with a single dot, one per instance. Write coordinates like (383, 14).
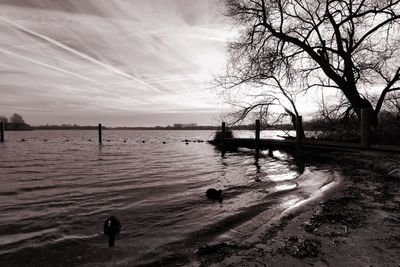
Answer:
(119, 62)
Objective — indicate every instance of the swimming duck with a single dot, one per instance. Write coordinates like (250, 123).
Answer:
(214, 194)
(112, 227)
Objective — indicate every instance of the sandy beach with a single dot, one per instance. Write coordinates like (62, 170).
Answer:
(354, 224)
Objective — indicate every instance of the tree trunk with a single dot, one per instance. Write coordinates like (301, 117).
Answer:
(363, 103)
(359, 103)
(294, 123)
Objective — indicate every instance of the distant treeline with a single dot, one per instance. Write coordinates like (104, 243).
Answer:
(65, 127)
(207, 127)
(15, 123)
(79, 127)
(17, 127)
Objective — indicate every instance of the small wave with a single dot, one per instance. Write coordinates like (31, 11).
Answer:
(6, 240)
(9, 193)
(38, 188)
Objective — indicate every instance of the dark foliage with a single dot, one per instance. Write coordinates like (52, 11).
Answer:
(219, 135)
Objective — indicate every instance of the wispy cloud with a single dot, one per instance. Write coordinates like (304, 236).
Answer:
(76, 52)
(110, 56)
(46, 65)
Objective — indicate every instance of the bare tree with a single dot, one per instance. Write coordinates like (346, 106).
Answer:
(16, 119)
(392, 103)
(336, 109)
(255, 91)
(347, 45)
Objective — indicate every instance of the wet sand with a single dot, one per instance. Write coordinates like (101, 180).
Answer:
(354, 224)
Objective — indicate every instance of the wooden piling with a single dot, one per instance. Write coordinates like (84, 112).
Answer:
(365, 128)
(223, 134)
(299, 129)
(223, 130)
(1, 132)
(270, 152)
(257, 144)
(258, 127)
(100, 136)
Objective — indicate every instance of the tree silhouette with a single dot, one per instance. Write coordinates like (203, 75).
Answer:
(16, 119)
(348, 45)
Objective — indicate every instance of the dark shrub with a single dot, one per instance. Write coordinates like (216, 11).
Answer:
(218, 134)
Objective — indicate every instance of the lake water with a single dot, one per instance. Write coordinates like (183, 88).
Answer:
(56, 194)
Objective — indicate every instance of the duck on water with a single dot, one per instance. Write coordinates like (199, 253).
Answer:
(214, 194)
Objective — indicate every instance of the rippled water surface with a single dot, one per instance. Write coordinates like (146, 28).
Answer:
(57, 188)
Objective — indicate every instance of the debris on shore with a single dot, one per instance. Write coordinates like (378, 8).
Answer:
(301, 248)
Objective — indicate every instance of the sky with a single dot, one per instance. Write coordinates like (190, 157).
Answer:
(115, 62)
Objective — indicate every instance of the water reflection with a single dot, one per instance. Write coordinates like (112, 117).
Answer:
(258, 166)
(286, 187)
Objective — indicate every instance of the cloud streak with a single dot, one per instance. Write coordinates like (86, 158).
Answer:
(77, 53)
(101, 57)
(47, 66)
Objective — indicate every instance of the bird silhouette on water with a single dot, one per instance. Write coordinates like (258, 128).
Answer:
(112, 227)
(214, 194)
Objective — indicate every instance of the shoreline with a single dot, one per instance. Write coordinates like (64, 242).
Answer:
(354, 224)
(248, 229)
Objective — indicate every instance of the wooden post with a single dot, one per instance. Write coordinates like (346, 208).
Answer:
(270, 151)
(223, 130)
(223, 133)
(299, 129)
(257, 145)
(258, 130)
(100, 137)
(365, 128)
(1, 132)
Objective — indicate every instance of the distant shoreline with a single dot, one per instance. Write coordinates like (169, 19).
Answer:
(124, 128)
(146, 128)
(18, 130)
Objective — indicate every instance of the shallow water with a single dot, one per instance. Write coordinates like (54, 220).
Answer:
(56, 194)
